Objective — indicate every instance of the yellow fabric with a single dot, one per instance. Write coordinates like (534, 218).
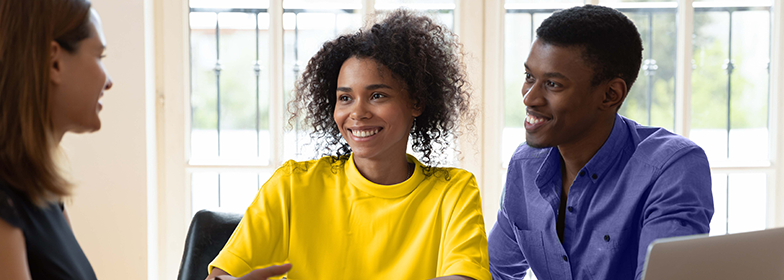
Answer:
(332, 223)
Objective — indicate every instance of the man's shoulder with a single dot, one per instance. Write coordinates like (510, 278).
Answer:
(527, 153)
(657, 146)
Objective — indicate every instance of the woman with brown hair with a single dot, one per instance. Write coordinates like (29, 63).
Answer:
(51, 78)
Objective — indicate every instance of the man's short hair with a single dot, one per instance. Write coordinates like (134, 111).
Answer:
(610, 42)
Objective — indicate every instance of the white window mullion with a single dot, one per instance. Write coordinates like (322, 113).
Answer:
(776, 105)
(491, 118)
(468, 18)
(174, 199)
(368, 9)
(683, 67)
(277, 108)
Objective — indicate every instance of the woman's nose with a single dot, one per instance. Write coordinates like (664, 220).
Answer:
(359, 111)
(109, 83)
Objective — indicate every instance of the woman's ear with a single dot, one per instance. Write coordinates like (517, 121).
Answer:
(417, 110)
(615, 94)
(417, 106)
(55, 69)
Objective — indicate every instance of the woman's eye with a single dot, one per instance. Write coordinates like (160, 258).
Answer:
(377, 96)
(343, 98)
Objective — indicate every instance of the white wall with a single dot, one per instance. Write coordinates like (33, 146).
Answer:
(114, 169)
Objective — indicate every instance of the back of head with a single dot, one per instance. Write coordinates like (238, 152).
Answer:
(610, 42)
(27, 147)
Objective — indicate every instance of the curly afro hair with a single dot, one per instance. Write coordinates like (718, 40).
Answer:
(419, 52)
(610, 41)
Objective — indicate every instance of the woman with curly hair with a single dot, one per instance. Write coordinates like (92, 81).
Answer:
(368, 210)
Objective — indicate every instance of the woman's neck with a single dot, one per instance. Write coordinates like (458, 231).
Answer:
(385, 172)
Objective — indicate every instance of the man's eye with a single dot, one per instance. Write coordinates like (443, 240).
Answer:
(551, 84)
(377, 96)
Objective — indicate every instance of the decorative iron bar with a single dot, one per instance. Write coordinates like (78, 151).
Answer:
(257, 71)
(217, 73)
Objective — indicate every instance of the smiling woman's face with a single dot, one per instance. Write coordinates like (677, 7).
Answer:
(78, 80)
(373, 110)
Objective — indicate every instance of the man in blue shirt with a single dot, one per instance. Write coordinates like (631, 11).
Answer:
(590, 190)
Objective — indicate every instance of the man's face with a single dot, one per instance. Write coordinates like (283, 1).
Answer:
(562, 106)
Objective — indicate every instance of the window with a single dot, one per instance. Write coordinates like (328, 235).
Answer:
(229, 102)
(730, 93)
(234, 113)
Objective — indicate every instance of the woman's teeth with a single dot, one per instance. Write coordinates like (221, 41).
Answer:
(533, 120)
(364, 133)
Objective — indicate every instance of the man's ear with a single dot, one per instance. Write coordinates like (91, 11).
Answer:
(55, 63)
(615, 94)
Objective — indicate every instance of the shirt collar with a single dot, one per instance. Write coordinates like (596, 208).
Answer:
(599, 164)
(604, 159)
(385, 191)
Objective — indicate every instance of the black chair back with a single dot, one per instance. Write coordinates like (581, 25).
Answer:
(208, 233)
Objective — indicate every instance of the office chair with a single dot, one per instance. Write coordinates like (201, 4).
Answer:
(208, 233)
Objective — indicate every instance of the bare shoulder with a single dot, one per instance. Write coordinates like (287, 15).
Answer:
(14, 257)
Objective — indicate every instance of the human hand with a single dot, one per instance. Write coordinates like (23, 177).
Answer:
(261, 273)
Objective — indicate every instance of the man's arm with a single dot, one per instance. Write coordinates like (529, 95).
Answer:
(680, 202)
(506, 259)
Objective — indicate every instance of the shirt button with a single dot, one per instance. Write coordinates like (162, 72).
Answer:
(582, 172)
(565, 258)
(570, 209)
(607, 238)
(594, 176)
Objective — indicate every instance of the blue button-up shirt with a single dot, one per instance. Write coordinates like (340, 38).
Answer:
(644, 183)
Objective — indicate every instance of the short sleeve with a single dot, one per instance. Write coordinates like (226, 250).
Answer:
(9, 207)
(262, 236)
(465, 250)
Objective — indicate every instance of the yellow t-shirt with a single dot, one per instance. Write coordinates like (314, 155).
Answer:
(332, 223)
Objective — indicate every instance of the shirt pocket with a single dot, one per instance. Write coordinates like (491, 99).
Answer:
(531, 243)
(608, 250)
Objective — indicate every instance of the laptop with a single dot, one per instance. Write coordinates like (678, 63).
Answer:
(757, 255)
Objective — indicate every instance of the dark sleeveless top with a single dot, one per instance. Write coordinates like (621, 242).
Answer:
(52, 249)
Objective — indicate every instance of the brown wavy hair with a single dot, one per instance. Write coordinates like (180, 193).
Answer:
(417, 50)
(27, 145)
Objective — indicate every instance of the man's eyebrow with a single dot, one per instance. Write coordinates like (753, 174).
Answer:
(555, 75)
(547, 74)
